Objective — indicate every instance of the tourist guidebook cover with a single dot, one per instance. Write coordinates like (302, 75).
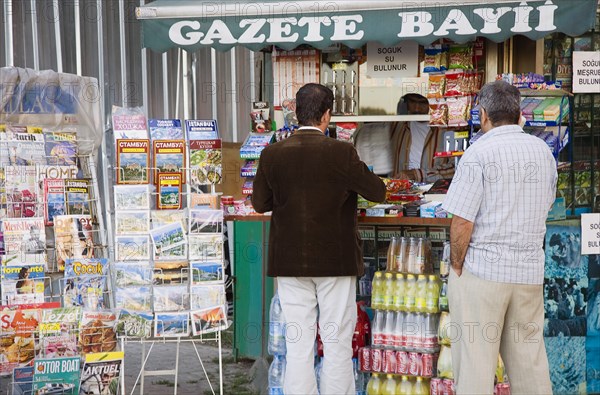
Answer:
(169, 157)
(168, 236)
(101, 373)
(198, 129)
(56, 376)
(128, 123)
(133, 161)
(165, 129)
(132, 197)
(61, 148)
(206, 162)
(78, 197)
(54, 199)
(169, 191)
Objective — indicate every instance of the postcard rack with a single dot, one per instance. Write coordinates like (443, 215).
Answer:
(167, 234)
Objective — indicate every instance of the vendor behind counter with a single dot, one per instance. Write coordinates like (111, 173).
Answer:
(405, 149)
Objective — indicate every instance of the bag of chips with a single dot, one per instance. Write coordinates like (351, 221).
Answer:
(437, 83)
(438, 112)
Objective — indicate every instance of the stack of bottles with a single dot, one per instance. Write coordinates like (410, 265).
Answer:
(276, 347)
(387, 384)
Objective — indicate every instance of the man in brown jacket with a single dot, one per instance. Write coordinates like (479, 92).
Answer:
(310, 183)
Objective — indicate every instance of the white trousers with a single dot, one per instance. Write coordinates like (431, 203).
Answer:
(497, 317)
(333, 300)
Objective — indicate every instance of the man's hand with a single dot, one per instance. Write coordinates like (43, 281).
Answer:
(457, 270)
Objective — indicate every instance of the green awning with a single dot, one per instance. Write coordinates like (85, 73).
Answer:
(192, 24)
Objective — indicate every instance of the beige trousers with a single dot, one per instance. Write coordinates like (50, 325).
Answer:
(491, 317)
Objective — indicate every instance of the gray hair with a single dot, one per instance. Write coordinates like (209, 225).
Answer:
(502, 102)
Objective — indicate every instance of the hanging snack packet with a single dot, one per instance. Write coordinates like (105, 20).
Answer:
(455, 84)
(461, 57)
(344, 131)
(457, 110)
(437, 83)
(438, 112)
(443, 56)
(432, 59)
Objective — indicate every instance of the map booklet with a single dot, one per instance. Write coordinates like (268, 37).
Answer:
(169, 157)
(165, 129)
(133, 161)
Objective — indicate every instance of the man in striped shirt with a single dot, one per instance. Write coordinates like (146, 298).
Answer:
(500, 196)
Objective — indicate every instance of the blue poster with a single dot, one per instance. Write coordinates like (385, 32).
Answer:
(563, 251)
(593, 364)
(566, 356)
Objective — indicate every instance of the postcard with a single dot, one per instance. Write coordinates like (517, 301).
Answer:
(135, 324)
(170, 298)
(209, 320)
(171, 324)
(206, 221)
(132, 197)
(206, 247)
(206, 272)
(167, 237)
(132, 222)
(132, 274)
(134, 298)
(205, 296)
(132, 248)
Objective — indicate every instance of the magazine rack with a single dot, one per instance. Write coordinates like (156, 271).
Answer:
(168, 253)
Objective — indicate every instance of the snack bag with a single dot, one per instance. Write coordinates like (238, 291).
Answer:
(438, 112)
(437, 83)
(455, 84)
(461, 57)
(458, 108)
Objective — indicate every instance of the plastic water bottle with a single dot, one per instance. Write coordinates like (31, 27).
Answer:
(276, 328)
(318, 370)
(421, 294)
(377, 291)
(374, 386)
(377, 328)
(388, 291)
(388, 387)
(398, 298)
(420, 388)
(409, 293)
(276, 375)
(433, 295)
(359, 378)
(405, 387)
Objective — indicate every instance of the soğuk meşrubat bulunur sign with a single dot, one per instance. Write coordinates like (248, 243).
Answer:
(586, 71)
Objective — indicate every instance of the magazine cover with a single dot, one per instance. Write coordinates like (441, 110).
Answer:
(167, 237)
(97, 331)
(134, 298)
(132, 248)
(209, 320)
(169, 191)
(22, 284)
(171, 324)
(206, 296)
(206, 162)
(17, 338)
(206, 272)
(198, 129)
(61, 148)
(26, 149)
(22, 192)
(132, 273)
(58, 331)
(165, 129)
(165, 217)
(73, 238)
(135, 324)
(129, 123)
(133, 161)
(101, 373)
(132, 197)
(86, 267)
(24, 241)
(56, 172)
(22, 383)
(206, 221)
(54, 199)
(169, 157)
(56, 376)
(206, 247)
(132, 222)
(85, 291)
(170, 272)
(204, 201)
(78, 197)
(171, 298)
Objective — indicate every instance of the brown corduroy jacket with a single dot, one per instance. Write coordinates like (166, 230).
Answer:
(310, 182)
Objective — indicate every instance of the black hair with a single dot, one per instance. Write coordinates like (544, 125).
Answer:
(312, 102)
(502, 103)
